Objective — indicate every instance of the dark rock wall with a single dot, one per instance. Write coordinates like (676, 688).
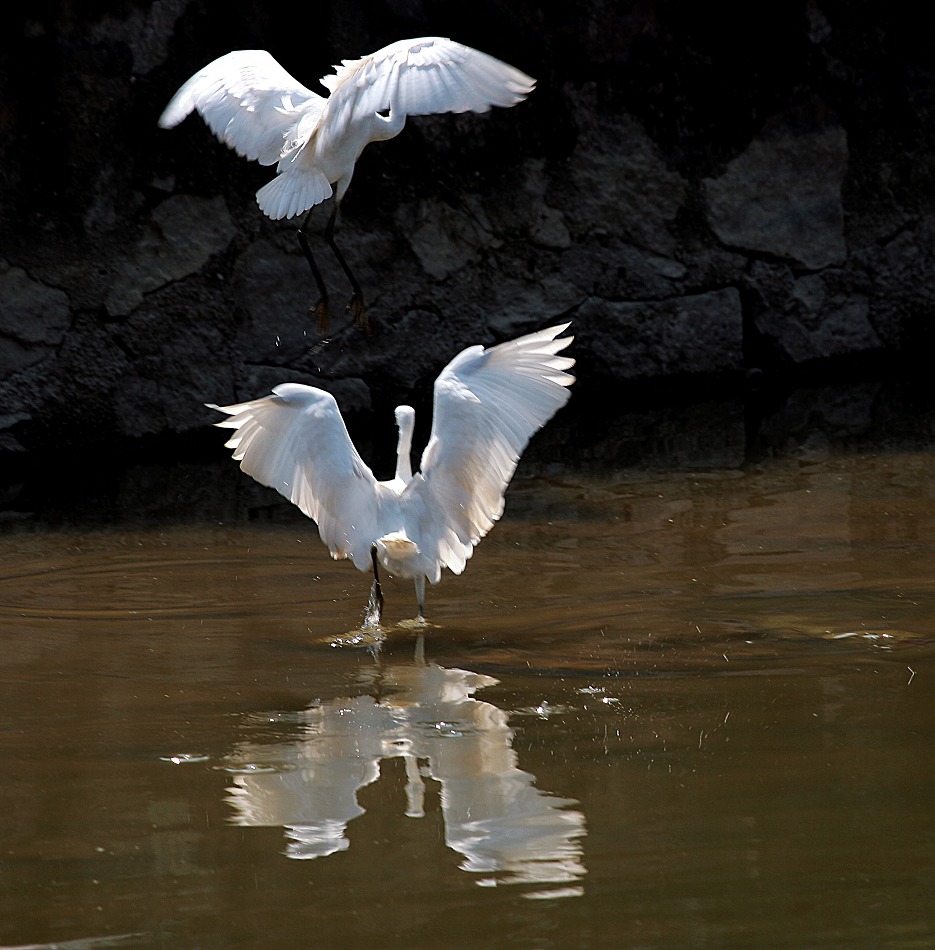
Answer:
(702, 191)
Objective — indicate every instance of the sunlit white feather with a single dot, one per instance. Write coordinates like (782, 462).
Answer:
(487, 405)
(258, 109)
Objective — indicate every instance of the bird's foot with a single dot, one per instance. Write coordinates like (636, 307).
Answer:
(320, 312)
(358, 309)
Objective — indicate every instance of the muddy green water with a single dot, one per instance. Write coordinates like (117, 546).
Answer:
(677, 709)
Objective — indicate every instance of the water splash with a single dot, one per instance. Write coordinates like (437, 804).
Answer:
(374, 610)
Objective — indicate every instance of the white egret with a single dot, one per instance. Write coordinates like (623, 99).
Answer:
(257, 108)
(487, 405)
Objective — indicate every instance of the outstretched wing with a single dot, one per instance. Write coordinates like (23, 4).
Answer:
(250, 103)
(421, 77)
(296, 442)
(488, 404)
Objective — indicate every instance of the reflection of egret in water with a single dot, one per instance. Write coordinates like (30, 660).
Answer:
(426, 715)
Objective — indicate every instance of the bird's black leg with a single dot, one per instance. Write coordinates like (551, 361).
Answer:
(376, 591)
(420, 597)
(321, 308)
(356, 304)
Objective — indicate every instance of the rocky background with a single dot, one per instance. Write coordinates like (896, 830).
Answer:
(715, 196)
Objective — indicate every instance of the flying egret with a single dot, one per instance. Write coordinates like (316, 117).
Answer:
(487, 405)
(258, 109)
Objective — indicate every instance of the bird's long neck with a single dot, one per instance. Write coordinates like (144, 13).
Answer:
(385, 127)
(405, 420)
(390, 122)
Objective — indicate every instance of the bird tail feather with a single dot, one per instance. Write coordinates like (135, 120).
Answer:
(292, 192)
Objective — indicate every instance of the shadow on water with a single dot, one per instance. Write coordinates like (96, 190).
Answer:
(685, 703)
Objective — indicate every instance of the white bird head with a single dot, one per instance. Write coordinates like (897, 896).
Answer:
(405, 418)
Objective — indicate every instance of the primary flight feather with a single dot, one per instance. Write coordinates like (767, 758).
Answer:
(258, 109)
(488, 402)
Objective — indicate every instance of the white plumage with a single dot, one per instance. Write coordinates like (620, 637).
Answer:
(487, 405)
(258, 109)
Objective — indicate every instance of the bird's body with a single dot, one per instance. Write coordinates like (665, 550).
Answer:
(488, 403)
(258, 109)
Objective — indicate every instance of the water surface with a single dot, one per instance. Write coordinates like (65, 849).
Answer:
(683, 708)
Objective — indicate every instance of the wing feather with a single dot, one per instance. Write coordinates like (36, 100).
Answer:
(438, 75)
(488, 404)
(423, 76)
(296, 442)
(251, 104)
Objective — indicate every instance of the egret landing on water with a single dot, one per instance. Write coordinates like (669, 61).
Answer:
(488, 404)
(254, 106)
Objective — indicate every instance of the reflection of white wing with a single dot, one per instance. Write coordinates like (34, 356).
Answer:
(534, 841)
(494, 815)
(311, 786)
